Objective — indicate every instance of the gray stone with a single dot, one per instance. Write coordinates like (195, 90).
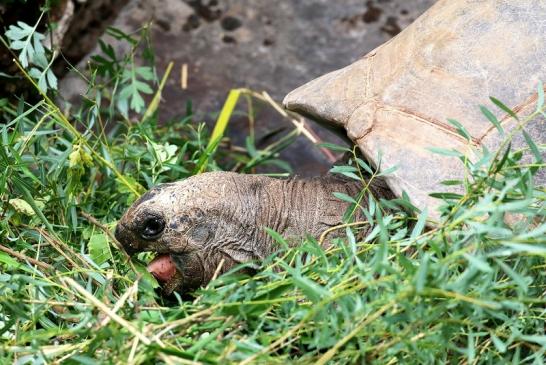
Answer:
(263, 45)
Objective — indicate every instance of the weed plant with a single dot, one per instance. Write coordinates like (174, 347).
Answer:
(470, 290)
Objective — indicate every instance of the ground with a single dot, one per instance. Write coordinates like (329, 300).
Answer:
(267, 45)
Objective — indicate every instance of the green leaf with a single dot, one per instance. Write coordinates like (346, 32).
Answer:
(421, 275)
(506, 109)
(143, 87)
(420, 225)
(526, 248)
(343, 168)
(133, 186)
(501, 346)
(388, 171)
(250, 146)
(460, 129)
(22, 207)
(99, 249)
(453, 182)
(499, 164)
(364, 165)
(134, 87)
(478, 262)
(35, 206)
(517, 278)
(15, 33)
(17, 45)
(312, 290)
(446, 196)
(51, 79)
(28, 42)
(533, 147)
(25, 39)
(539, 340)
(25, 27)
(345, 197)
(334, 147)
(277, 237)
(10, 262)
(538, 232)
(492, 118)
(348, 171)
(154, 104)
(445, 152)
(145, 72)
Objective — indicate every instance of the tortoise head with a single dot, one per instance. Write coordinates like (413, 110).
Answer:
(170, 218)
(197, 221)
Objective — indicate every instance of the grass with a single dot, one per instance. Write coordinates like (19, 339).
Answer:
(471, 290)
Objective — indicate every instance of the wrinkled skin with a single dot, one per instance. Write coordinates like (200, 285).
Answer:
(217, 216)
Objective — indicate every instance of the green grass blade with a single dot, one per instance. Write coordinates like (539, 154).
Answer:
(154, 104)
(219, 129)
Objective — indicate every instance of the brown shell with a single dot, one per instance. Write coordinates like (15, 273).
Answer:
(395, 101)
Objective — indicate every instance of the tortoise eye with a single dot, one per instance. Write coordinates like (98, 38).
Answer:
(152, 228)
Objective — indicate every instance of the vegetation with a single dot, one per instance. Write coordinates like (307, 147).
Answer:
(471, 290)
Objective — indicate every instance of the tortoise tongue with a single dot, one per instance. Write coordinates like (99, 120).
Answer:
(162, 268)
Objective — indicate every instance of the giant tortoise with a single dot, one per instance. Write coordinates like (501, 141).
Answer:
(394, 103)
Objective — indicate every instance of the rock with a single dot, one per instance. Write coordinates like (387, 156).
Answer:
(267, 45)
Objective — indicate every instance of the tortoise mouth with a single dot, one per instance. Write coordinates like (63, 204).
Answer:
(177, 272)
(162, 267)
(167, 272)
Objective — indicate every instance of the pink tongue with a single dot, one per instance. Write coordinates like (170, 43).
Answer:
(162, 267)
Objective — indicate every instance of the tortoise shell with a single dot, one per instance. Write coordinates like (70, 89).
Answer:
(395, 102)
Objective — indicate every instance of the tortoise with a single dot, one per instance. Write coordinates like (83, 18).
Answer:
(394, 104)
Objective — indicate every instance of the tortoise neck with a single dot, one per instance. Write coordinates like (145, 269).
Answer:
(298, 207)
